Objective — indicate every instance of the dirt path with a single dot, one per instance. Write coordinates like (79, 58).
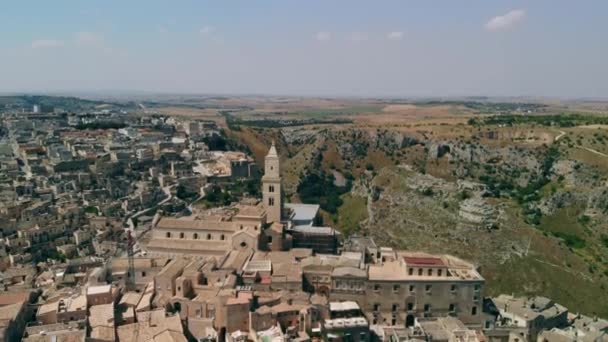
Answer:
(594, 151)
(561, 134)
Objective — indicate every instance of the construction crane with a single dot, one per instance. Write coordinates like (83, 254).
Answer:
(130, 283)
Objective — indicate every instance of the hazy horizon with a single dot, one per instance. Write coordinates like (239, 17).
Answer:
(276, 48)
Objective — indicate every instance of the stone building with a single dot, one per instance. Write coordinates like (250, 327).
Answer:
(404, 286)
(212, 233)
(250, 225)
(525, 317)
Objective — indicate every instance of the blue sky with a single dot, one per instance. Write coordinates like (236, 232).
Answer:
(312, 47)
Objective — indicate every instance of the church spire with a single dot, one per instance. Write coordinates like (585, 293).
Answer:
(272, 152)
(271, 185)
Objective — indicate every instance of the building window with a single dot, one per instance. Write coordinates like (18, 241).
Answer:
(271, 188)
(428, 288)
(412, 288)
(376, 287)
(430, 272)
(410, 271)
(477, 287)
(420, 271)
(452, 308)
(395, 307)
(195, 236)
(453, 288)
(222, 237)
(376, 307)
(181, 235)
(168, 235)
(208, 236)
(270, 239)
(396, 288)
(271, 201)
(427, 308)
(143, 273)
(475, 298)
(474, 311)
(410, 306)
(439, 273)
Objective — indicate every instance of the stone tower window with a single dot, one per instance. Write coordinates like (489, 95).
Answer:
(271, 188)
(271, 201)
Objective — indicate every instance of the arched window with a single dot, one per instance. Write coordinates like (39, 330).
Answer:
(271, 188)
(208, 236)
(168, 235)
(270, 201)
(195, 236)
(222, 237)
(181, 235)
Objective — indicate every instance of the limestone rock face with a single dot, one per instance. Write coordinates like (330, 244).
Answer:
(476, 210)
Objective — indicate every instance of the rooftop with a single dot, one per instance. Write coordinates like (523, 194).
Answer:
(424, 261)
(258, 266)
(343, 306)
(303, 212)
(100, 289)
(528, 308)
(101, 315)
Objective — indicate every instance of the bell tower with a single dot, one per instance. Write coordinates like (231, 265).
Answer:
(271, 186)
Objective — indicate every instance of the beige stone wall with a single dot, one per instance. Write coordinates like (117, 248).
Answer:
(395, 300)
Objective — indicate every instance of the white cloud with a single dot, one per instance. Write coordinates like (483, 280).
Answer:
(323, 36)
(89, 38)
(506, 21)
(206, 30)
(47, 43)
(358, 37)
(395, 35)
